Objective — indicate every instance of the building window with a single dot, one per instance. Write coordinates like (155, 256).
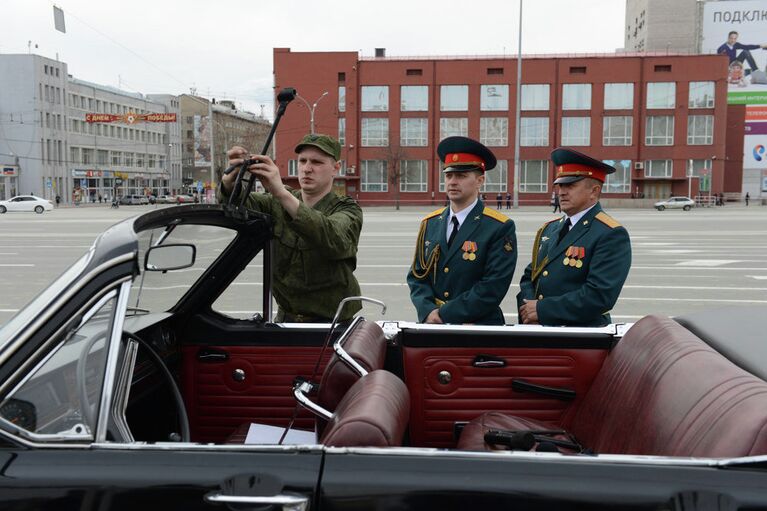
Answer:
(494, 131)
(535, 97)
(658, 168)
(342, 170)
(701, 95)
(103, 157)
(292, 168)
(534, 176)
(373, 176)
(619, 96)
(454, 98)
(576, 96)
(375, 132)
(494, 98)
(413, 132)
(342, 131)
(661, 95)
(128, 159)
(620, 181)
(117, 157)
(453, 127)
(702, 170)
(700, 130)
(413, 175)
(375, 98)
(341, 98)
(535, 131)
(617, 130)
(496, 179)
(659, 130)
(414, 98)
(576, 131)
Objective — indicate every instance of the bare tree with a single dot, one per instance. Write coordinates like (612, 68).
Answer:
(394, 155)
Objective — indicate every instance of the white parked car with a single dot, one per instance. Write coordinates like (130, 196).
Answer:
(684, 203)
(25, 203)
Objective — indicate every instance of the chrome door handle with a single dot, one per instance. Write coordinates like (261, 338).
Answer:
(288, 502)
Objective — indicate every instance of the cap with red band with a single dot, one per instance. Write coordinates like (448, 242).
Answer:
(461, 154)
(573, 166)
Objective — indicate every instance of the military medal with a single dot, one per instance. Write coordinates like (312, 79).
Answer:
(566, 260)
(581, 255)
(469, 247)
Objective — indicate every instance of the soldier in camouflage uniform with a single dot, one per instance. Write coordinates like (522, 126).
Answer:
(316, 231)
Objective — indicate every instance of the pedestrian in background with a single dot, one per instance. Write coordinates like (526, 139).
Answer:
(747, 197)
(508, 200)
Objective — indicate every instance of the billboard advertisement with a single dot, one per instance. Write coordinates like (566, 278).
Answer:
(738, 29)
(755, 152)
(202, 141)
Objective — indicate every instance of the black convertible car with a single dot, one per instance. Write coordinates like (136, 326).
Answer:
(124, 385)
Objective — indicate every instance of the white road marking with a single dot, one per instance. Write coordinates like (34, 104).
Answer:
(9, 310)
(16, 265)
(708, 288)
(694, 299)
(708, 262)
(758, 277)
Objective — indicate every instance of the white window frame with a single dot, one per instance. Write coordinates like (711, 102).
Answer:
(650, 165)
(457, 95)
(541, 185)
(375, 98)
(576, 96)
(496, 180)
(622, 171)
(414, 131)
(292, 168)
(659, 140)
(494, 98)
(500, 128)
(697, 123)
(701, 95)
(414, 98)
(421, 167)
(463, 130)
(366, 185)
(611, 135)
(619, 96)
(375, 132)
(535, 132)
(661, 95)
(569, 137)
(535, 96)
(342, 131)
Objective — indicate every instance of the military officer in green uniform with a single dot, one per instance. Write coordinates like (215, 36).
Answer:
(465, 254)
(580, 261)
(316, 231)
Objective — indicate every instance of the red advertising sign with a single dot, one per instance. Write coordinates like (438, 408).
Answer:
(130, 118)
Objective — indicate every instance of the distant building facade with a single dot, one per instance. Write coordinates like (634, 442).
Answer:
(660, 119)
(662, 25)
(206, 140)
(61, 136)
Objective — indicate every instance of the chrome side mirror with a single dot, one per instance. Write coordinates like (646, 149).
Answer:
(170, 257)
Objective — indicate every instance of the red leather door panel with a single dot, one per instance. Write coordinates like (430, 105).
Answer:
(435, 406)
(217, 404)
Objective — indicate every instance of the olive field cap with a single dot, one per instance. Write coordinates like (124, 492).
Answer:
(460, 154)
(572, 166)
(324, 143)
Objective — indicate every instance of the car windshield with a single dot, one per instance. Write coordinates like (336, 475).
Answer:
(158, 291)
(42, 301)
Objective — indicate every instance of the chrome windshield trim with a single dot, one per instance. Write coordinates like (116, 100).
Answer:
(9, 349)
(120, 403)
(107, 390)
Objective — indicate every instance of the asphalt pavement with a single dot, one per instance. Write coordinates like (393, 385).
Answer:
(682, 261)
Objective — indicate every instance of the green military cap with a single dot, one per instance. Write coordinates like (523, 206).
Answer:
(324, 143)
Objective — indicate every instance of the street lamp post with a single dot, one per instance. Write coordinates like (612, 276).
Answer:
(311, 109)
(518, 134)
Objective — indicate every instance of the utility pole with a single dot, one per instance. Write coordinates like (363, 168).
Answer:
(518, 131)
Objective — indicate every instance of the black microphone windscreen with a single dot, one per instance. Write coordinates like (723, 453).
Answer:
(286, 95)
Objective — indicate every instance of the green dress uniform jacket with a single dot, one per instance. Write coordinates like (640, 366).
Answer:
(315, 253)
(577, 281)
(468, 280)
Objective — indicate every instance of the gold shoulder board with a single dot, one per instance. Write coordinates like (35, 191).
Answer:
(434, 213)
(607, 220)
(495, 215)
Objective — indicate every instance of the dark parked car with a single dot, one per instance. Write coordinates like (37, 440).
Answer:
(126, 385)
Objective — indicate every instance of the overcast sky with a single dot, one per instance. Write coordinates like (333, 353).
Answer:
(224, 47)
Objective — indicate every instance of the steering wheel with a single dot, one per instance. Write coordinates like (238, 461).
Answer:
(183, 419)
(89, 409)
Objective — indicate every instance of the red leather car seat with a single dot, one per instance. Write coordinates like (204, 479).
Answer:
(661, 391)
(373, 413)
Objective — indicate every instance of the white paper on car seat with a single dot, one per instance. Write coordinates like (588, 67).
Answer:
(265, 434)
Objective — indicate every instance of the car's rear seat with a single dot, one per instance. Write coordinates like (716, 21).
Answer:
(661, 391)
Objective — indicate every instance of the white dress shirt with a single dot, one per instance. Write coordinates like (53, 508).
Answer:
(461, 216)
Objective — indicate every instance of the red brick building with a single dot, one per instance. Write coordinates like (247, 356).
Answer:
(656, 117)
